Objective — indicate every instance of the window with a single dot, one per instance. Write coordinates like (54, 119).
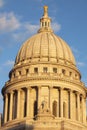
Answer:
(42, 24)
(55, 70)
(45, 69)
(14, 75)
(45, 24)
(70, 73)
(76, 76)
(76, 100)
(35, 70)
(19, 72)
(55, 108)
(63, 71)
(76, 107)
(64, 109)
(25, 102)
(27, 71)
(35, 108)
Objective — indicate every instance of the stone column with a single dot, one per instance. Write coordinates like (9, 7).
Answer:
(11, 105)
(18, 103)
(71, 104)
(28, 101)
(6, 108)
(78, 106)
(84, 109)
(50, 97)
(61, 102)
(39, 96)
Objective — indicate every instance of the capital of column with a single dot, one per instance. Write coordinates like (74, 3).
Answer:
(50, 87)
(11, 92)
(39, 87)
(70, 90)
(19, 89)
(29, 88)
(61, 88)
(6, 95)
(77, 93)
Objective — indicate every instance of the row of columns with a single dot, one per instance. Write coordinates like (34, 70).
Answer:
(18, 104)
(39, 102)
(78, 112)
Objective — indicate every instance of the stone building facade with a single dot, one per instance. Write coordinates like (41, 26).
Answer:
(44, 91)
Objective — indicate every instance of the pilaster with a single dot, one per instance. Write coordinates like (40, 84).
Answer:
(71, 104)
(39, 96)
(84, 109)
(28, 101)
(61, 102)
(11, 105)
(18, 103)
(6, 108)
(78, 106)
(50, 97)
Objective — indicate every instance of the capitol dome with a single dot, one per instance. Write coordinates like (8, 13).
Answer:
(45, 46)
(44, 90)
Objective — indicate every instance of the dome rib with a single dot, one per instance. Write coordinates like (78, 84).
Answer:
(57, 55)
(45, 46)
(40, 46)
(48, 47)
(62, 48)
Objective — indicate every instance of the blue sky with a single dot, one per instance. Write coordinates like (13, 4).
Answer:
(19, 19)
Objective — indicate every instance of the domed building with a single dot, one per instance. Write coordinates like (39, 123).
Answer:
(44, 91)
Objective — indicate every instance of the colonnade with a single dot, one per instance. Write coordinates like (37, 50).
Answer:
(79, 106)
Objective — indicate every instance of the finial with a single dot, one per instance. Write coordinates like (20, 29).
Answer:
(45, 10)
(45, 21)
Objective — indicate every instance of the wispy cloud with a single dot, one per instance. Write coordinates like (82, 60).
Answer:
(25, 31)
(81, 64)
(13, 27)
(9, 63)
(31, 28)
(74, 50)
(28, 29)
(8, 22)
(1, 3)
(56, 26)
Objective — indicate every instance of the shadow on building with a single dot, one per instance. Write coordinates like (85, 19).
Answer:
(21, 127)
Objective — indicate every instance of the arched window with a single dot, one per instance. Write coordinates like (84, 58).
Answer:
(35, 108)
(55, 108)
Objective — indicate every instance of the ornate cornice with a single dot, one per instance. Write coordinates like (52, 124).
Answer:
(43, 78)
